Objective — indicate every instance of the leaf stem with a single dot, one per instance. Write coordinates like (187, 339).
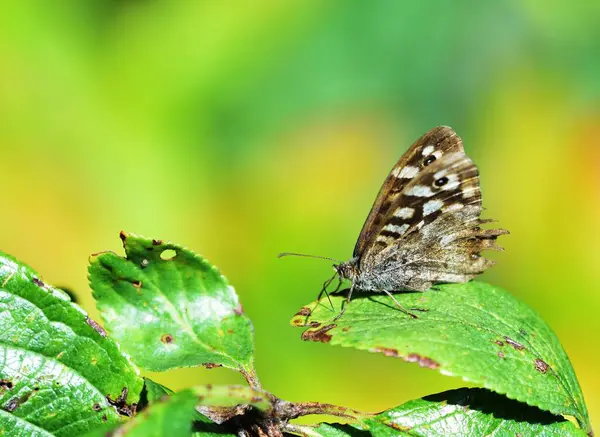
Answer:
(251, 378)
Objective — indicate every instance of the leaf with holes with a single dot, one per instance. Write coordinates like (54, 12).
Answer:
(169, 307)
(474, 330)
(59, 372)
(469, 412)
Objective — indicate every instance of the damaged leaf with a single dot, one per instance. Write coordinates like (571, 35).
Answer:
(475, 331)
(169, 307)
(59, 373)
(469, 412)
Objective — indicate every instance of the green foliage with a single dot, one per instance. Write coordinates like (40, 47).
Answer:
(474, 330)
(62, 375)
(171, 417)
(59, 372)
(168, 307)
(468, 412)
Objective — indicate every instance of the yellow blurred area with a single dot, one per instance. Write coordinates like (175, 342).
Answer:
(242, 130)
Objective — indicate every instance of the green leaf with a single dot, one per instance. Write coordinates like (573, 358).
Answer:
(169, 308)
(469, 412)
(58, 370)
(474, 330)
(333, 430)
(171, 417)
(177, 415)
(155, 391)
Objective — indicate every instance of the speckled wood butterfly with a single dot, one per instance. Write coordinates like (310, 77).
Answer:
(424, 227)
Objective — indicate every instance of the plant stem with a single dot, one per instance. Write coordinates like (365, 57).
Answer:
(291, 410)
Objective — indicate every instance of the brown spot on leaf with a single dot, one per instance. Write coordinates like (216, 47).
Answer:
(256, 399)
(402, 428)
(123, 236)
(518, 346)
(96, 407)
(137, 284)
(314, 324)
(318, 335)
(500, 354)
(157, 242)
(211, 365)
(121, 405)
(303, 312)
(167, 338)
(38, 282)
(423, 361)
(104, 418)
(12, 405)
(540, 365)
(388, 352)
(499, 343)
(6, 384)
(99, 329)
(346, 328)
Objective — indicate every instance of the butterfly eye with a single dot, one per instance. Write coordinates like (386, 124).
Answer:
(441, 182)
(429, 160)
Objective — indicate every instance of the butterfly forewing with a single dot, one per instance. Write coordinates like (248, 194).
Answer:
(450, 183)
(428, 149)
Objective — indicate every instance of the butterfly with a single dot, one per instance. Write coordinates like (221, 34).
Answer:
(424, 227)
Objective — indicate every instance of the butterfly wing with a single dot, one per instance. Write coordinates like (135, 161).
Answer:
(431, 231)
(436, 143)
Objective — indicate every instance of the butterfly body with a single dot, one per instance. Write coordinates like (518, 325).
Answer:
(424, 227)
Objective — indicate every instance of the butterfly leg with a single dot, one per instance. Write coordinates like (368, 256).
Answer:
(324, 290)
(346, 305)
(401, 308)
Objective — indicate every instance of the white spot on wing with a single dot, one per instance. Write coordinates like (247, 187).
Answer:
(432, 206)
(428, 150)
(397, 229)
(407, 172)
(453, 207)
(440, 173)
(404, 213)
(419, 191)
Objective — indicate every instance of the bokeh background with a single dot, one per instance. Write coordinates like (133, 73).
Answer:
(243, 129)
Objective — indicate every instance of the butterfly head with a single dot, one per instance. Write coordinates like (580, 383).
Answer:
(348, 269)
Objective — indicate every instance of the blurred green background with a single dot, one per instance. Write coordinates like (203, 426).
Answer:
(243, 129)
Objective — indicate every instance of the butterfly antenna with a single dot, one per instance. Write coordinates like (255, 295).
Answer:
(281, 255)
